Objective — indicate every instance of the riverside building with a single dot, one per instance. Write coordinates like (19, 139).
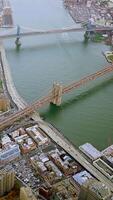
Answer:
(26, 194)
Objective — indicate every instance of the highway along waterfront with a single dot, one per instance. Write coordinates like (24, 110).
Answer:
(86, 114)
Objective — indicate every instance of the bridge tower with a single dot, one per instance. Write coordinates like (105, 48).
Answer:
(89, 32)
(57, 94)
(17, 42)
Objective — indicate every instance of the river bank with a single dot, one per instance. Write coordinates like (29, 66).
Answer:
(8, 82)
(100, 13)
(85, 115)
(54, 134)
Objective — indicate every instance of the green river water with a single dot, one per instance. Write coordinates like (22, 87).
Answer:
(86, 114)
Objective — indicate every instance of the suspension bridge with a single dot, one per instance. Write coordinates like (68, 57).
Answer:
(20, 31)
(54, 96)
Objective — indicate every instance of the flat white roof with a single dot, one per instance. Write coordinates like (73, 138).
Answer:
(90, 151)
(82, 177)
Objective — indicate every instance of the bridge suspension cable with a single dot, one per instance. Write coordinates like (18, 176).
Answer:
(87, 79)
(28, 28)
(49, 98)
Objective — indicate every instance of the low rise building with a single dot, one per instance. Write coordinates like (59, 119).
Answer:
(82, 177)
(66, 189)
(17, 133)
(64, 162)
(23, 140)
(39, 164)
(104, 167)
(45, 192)
(5, 140)
(9, 153)
(38, 136)
(90, 151)
(8, 150)
(46, 168)
(108, 153)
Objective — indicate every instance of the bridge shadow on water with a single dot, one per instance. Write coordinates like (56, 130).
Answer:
(54, 110)
(52, 44)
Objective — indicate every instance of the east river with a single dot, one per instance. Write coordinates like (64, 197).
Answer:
(86, 114)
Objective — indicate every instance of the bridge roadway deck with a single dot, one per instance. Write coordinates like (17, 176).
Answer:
(28, 110)
(54, 31)
(56, 136)
(88, 78)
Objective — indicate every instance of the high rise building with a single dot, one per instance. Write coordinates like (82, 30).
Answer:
(6, 19)
(7, 179)
(26, 194)
(7, 16)
(7, 13)
(94, 190)
(4, 102)
(1, 5)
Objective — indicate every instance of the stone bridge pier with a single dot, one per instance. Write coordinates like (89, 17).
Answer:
(57, 94)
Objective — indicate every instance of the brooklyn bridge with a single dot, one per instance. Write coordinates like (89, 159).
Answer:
(54, 96)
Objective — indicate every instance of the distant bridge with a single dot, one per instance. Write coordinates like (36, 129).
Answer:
(53, 97)
(23, 31)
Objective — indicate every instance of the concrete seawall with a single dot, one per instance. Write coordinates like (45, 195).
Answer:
(16, 98)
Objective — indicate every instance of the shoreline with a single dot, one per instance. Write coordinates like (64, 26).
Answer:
(51, 131)
(16, 101)
(12, 93)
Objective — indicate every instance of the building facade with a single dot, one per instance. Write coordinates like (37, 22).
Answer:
(7, 179)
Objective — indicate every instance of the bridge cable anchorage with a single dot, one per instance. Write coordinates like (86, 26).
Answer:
(54, 97)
